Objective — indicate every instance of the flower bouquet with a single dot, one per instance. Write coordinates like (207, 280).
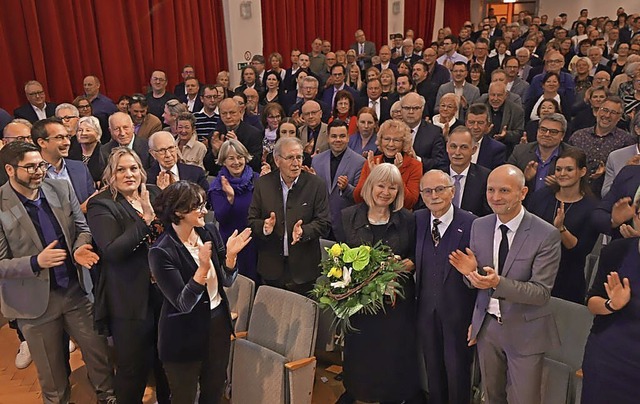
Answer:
(357, 280)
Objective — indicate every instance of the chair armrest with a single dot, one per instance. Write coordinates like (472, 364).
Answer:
(300, 363)
(579, 373)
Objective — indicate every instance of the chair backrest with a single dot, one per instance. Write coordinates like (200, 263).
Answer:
(240, 296)
(325, 243)
(574, 324)
(284, 322)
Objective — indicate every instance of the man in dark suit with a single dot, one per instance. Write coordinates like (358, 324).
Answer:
(444, 302)
(37, 108)
(46, 241)
(234, 128)
(338, 74)
(310, 86)
(428, 144)
(289, 80)
(167, 169)
(180, 89)
(53, 141)
(616, 209)
(481, 56)
(289, 213)
(365, 50)
(407, 54)
(374, 100)
(192, 98)
(436, 73)
(428, 89)
(470, 179)
(537, 160)
(385, 60)
(490, 153)
(513, 260)
(340, 168)
(121, 128)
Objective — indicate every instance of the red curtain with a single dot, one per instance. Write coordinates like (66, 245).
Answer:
(419, 16)
(456, 12)
(289, 24)
(121, 42)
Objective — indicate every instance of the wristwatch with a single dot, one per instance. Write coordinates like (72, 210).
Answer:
(563, 228)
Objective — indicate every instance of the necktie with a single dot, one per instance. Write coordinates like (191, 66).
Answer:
(59, 273)
(171, 177)
(503, 249)
(458, 192)
(435, 233)
(361, 49)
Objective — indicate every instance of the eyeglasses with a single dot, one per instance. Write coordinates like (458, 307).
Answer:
(36, 94)
(68, 118)
(609, 111)
(290, 159)
(138, 98)
(59, 138)
(169, 149)
(543, 130)
(438, 190)
(554, 61)
(200, 208)
(87, 106)
(17, 138)
(160, 79)
(33, 168)
(414, 108)
(604, 79)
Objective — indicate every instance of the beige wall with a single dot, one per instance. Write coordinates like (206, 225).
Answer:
(244, 36)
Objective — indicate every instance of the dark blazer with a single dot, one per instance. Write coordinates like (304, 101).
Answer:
(184, 325)
(326, 109)
(625, 184)
(524, 153)
(392, 66)
(307, 201)
(411, 59)
(179, 90)
(197, 105)
(350, 166)
(96, 163)
(369, 52)
(451, 295)
(492, 153)
(385, 107)
(439, 76)
(80, 179)
(249, 136)
(26, 112)
(429, 146)
(186, 172)
(140, 146)
(327, 94)
(513, 119)
(474, 198)
(444, 306)
(121, 236)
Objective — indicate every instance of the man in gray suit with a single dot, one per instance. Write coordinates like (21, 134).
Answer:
(622, 157)
(365, 50)
(44, 241)
(512, 322)
(459, 85)
(340, 169)
(515, 85)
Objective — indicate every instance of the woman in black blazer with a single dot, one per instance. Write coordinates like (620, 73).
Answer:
(123, 225)
(191, 265)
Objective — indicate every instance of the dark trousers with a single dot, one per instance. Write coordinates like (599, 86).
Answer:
(210, 373)
(136, 354)
(448, 360)
(285, 281)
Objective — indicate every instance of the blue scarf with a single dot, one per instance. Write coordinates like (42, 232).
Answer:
(240, 185)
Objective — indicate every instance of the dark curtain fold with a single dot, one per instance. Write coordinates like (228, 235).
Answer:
(456, 12)
(121, 42)
(292, 24)
(419, 15)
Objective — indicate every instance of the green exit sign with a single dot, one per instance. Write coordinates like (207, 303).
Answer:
(241, 65)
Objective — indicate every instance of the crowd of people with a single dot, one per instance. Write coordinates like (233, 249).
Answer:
(490, 160)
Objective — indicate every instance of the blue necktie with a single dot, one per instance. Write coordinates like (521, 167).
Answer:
(59, 273)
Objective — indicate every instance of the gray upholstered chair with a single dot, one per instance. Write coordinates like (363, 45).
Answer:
(560, 383)
(274, 363)
(240, 296)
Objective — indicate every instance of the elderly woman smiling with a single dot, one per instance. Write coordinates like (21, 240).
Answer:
(394, 141)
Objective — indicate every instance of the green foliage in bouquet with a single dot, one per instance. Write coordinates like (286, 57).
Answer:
(358, 280)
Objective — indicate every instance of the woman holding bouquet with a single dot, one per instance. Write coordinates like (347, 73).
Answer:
(380, 358)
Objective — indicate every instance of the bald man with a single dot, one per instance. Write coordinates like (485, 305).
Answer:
(512, 261)
(102, 105)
